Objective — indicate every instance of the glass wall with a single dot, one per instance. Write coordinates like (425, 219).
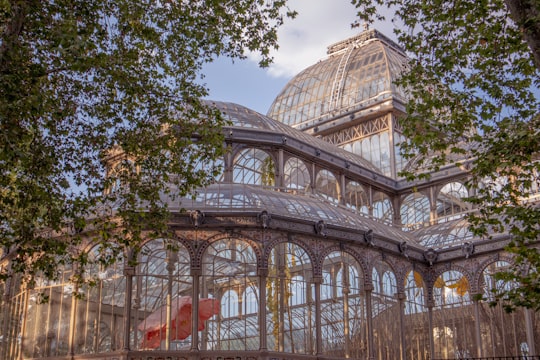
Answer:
(453, 317)
(46, 330)
(416, 317)
(230, 277)
(290, 300)
(386, 312)
(343, 312)
(48, 321)
(376, 150)
(503, 334)
(161, 297)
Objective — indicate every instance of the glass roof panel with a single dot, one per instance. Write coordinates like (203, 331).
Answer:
(234, 197)
(444, 235)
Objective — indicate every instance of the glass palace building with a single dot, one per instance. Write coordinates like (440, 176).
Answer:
(309, 246)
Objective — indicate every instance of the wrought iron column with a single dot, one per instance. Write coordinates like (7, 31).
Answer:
(129, 271)
(530, 331)
(403, 343)
(477, 335)
(263, 276)
(430, 330)
(369, 318)
(317, 280)
(72, 318)
(172, 258)
(196, 274)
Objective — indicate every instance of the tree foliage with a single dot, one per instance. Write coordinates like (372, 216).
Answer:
(81, 79)
(473, 80)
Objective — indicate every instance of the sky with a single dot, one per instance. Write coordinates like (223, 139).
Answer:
(302, 42)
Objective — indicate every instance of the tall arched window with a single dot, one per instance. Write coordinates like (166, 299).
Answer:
(255, 167)
(98, 328)
(229, 304)
(163, 287)
(416, 317)
(343, 313)
(290, 302)
(120, 175)
(453, 335)
(385, 311)
(250, 301)
(505, 333)
(230, 269)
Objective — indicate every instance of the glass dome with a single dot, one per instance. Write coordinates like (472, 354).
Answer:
(359, 72)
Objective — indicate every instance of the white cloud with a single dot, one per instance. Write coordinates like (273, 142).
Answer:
(304, 40)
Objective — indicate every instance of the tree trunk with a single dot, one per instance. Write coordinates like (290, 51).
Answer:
(526, 14)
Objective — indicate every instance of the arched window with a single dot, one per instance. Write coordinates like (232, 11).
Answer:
(255, 167)
(451, 291)
(327, 286)
(343, 313)
(450, 201)
(385, 311)
(382, 207)
(452, 287)
(290, 302)
(229, 304)
(326, 186)
(415, 211)
(389, 283)
(230, 268)
(298, 291)
(250, 300)
(96, 328)
(347, 278)
(506, 333)
(296, 174)
(121, 175)
(163, 287)
(356, 197)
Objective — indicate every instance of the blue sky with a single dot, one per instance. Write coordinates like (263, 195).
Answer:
(302, 42)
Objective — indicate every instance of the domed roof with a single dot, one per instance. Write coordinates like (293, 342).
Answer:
(359, 72)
